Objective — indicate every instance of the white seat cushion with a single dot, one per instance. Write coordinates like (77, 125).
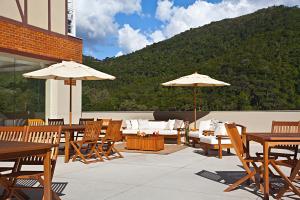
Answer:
(130, 131)
(195, 134)
(167, 132)
(157, 125)
(213, 140)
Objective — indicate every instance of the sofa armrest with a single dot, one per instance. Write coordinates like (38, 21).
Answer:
(208, 133)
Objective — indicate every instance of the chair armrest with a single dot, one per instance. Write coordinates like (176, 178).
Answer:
(208, 133)
(222, 137)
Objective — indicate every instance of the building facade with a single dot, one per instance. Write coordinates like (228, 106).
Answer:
(35, 34)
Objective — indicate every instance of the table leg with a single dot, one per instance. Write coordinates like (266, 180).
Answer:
(266, 170)
(248, 155)
(47, 176)
(67, 146)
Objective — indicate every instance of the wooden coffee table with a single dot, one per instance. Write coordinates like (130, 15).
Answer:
(145, 143)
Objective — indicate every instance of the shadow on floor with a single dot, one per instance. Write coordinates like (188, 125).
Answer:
(229, 177)
(212, 153)
(57, 187)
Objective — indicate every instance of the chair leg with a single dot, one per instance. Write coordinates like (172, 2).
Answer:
(288, 180)
(220, 152)
(228, 150)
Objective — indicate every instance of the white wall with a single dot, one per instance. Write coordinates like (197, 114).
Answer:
(38, 13)
(253, 120)
(57, 100)
(9, 9)
(58, 22)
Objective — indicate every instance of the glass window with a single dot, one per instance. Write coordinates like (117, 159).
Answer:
(20, 97)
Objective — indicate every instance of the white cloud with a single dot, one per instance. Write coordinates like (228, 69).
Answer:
(96, 18)
(120, 53)
(157, 36)
(178, 19)
(130, 40)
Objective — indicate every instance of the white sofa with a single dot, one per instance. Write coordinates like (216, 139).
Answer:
(212, 134)
(169, 129)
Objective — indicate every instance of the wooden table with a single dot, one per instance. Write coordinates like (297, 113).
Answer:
(271, 140)
(69, 136)
(14, 150)
(145, 143)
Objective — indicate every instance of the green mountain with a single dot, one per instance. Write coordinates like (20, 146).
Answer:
(258, 54)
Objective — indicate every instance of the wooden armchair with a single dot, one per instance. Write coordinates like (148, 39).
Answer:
(36, 134)
(90, 139)
(113, 134)
(241, 150)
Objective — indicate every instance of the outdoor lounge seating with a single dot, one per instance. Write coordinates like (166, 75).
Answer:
(212, 135)
(36, 122)
(169, 129)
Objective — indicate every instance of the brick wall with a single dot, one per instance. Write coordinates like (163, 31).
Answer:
(34, 42)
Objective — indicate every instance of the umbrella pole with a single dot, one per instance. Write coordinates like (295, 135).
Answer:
(195, 108)
(70, 114)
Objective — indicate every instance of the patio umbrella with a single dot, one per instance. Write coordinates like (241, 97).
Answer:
(69, 70)
(195, 80)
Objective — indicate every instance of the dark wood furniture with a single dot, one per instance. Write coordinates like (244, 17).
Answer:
(268, 140)
(15, 150)
(89, 141)
(240, 150)
(113, 134)
(145, 143)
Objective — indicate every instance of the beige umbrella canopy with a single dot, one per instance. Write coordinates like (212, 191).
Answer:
(195, 80)
(69, 70)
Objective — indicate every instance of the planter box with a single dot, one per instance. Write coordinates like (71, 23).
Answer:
(145, 143)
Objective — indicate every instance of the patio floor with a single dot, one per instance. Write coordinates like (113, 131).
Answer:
(186, 174)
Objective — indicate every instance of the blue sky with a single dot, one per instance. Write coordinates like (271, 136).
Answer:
(117, 27)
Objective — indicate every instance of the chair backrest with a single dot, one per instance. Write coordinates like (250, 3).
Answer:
(56, 122)
(92, 131)
(36, 122)
(285, 127)
(83, 121)
(113, 131)
(12, 133)
(43, 134)
(236, 139)
(105, 122)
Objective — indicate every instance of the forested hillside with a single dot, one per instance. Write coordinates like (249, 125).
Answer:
(258, 54)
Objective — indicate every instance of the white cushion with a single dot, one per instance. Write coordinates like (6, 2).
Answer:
(220, 129)
(178, 124)
(157, 125)
(147, 131)
(167, 132)
(128, 124)
(143, 124)
(204, 125)
(195, 134)
(134, 124)
(213, 140)
(130, 131)
(170, 124)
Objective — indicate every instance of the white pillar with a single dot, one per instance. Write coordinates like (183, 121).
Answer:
(57, 100)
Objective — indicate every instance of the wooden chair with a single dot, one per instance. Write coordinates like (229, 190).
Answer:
(36, 134)
(36, 122)
(90, 138)
(83, 121)
(113, 134)
(105, 123)
(241, 150)
(295, 166)
(12, 133)
(56, 122)
(285, 127)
